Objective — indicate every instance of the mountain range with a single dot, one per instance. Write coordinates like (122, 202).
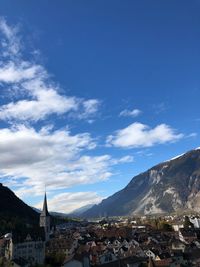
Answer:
(170, 186)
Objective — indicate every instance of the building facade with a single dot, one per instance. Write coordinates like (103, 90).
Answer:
(33, 251)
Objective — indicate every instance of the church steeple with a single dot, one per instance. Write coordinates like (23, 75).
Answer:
(45, 208)
(45, 218)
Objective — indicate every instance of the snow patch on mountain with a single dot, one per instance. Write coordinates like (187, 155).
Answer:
(175, 157)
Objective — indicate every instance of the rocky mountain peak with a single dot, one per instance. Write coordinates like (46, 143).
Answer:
(167, 187)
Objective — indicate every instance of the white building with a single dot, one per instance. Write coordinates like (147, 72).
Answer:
(31, 251)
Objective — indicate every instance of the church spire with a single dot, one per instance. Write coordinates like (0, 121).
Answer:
(45, 219)
(45, 208)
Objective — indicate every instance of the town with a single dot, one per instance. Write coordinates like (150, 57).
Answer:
(169, 241)
(100, 133)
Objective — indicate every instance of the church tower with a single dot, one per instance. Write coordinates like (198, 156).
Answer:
(45, 219)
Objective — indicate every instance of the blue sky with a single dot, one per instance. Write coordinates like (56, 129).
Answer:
(93, 93)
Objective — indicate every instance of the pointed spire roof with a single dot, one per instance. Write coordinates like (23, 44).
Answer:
(45, 209)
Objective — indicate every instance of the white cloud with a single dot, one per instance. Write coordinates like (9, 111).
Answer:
(31, 159)
(90, 106)
(126, 159)
(140, 135)
(10, 41)
(86, 110)
(49, 157)
(47, 101)
(68, 202)
(41, 97)
(130, 113)
(15, 73)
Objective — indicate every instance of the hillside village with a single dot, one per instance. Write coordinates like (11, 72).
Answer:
(167, 241)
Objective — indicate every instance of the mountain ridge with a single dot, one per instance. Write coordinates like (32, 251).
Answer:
(15, 215)
(11, 205)
(167, 187)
